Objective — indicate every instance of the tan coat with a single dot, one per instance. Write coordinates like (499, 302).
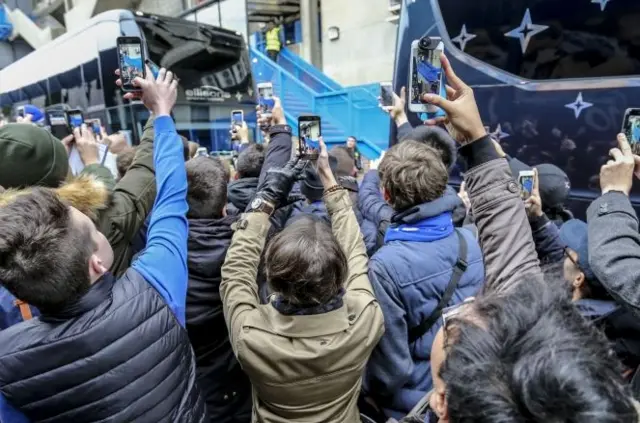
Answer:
(303, 368)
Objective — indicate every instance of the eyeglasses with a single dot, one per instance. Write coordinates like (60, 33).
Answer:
(449, 312)
(570, 257)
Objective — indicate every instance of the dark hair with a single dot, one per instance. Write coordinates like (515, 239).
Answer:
(207, 191)
(439, 139)
(353, 138)
(185, 148)
(43, 256)
(250, 161)
(124, 160)
(526, 354)
(412, 173)
(305, 264)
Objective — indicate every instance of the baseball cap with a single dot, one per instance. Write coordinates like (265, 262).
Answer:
(574, 235)
(554, 185)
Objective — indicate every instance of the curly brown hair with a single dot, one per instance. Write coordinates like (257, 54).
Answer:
(412, 173)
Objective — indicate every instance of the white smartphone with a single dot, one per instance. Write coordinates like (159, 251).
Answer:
(526, 179)
(425, 70)
(265, 97)
(202, 151)
(386, 94)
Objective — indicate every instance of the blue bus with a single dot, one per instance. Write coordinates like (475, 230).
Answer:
(552, 78)
(77, 69)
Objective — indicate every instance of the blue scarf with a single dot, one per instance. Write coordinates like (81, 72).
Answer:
(426, 230)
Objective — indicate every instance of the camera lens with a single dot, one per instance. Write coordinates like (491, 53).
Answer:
(425, 43)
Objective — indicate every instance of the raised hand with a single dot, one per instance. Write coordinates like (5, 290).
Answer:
(462, 115)
(617, 174)
(158, 95)
(534, 202)
(87, 145)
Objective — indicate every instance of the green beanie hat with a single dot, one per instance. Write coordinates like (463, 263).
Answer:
(31, 156)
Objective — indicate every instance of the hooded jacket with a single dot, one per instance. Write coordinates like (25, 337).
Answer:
(409, 277)
(224, 385)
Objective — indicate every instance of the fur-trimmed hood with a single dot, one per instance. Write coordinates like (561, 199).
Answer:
(85, 193)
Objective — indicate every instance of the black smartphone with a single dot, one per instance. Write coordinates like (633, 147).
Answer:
(386, 94)
(75, 118)
(58, 124)
(309, 133)
(131, 61)
(631, 128)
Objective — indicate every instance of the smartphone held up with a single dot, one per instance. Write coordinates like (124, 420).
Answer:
(265, 98)
(526, 179)
(309, 133)
(426, 73)
(631, 128)
(131, 61)
(386, 94)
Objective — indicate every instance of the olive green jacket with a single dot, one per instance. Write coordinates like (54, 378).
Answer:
(130, 202)
(303, 368)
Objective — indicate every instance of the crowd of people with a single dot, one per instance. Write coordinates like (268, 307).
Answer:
(280, 290)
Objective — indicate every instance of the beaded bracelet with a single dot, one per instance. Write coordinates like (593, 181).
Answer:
(333, 189)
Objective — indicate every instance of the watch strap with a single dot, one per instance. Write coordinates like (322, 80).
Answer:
(279, 129)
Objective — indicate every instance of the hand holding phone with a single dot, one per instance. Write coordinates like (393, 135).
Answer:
(387, 97)
(75, 119)
(309, 133)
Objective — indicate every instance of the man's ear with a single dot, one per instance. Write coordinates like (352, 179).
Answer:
(579, 281)
(236, 176)
(224, 211)
(386, 196)
(96, 268)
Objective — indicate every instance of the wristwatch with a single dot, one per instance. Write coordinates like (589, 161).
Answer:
(259, 205)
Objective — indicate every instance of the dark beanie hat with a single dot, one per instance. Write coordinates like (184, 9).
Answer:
(311, 186)
(31, 156)
(439, 139)
(554, 186)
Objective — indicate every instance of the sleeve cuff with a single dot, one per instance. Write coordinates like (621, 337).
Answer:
(611, 202)
(279, 129)
(164, 124)
(336, 201)
(479, 152)
(538, 223)
(258, 223)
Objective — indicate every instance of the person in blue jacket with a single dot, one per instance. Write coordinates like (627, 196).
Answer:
(103, 349)
(412, 270)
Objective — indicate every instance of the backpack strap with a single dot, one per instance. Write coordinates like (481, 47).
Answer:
(458, 270)
(25, 310)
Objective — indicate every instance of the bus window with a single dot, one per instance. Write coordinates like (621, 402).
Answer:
(539, 41)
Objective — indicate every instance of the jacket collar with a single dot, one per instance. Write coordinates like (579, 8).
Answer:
(303, 326)
(446, 203)
(240, 192)
(99, 292)
(594, 309)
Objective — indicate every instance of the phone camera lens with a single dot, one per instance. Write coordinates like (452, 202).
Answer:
(425, 43)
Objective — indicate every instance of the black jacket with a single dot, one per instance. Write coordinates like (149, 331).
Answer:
(118, 354)
(240, 193)
(224, 385)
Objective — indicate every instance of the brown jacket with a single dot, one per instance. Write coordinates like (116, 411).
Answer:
(303, 368)
(503, 228)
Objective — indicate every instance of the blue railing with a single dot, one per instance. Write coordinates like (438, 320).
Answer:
(344, 111)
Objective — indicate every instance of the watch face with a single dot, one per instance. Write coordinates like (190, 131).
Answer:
(256, 203)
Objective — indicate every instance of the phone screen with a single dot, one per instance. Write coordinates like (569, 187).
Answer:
(309, 130)
(58, 124)
(95, 126)
(131, 66)
(75, 119)
(386, 95)
(265, 95)
(426, 76)
(237, 118)
(631, 126)
(526, 184)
